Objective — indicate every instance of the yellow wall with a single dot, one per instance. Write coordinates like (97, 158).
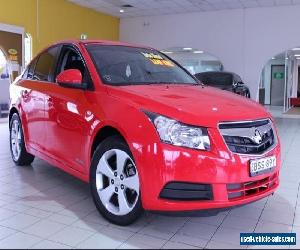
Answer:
(49, 21)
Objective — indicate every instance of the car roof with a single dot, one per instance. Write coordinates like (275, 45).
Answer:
(100, 42)
(218, 72)
(79, 42)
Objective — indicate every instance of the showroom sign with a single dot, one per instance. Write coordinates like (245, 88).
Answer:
(278, 75)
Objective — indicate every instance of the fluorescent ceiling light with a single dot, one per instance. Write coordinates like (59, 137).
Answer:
(198, 52)
(187, 48)
(121, 11)
(296, 49)
(273, 58)
(297, 55)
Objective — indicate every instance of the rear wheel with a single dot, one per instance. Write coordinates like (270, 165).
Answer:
(17, 145)
(115, 182)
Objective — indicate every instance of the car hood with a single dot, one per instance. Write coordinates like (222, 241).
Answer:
(196, 105)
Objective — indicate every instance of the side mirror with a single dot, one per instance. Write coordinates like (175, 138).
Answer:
(71, 78)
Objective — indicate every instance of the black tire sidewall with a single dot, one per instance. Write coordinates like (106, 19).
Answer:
(24, 158)
(114, 142)
(14, 117)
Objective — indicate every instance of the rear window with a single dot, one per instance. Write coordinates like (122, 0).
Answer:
(45, 65)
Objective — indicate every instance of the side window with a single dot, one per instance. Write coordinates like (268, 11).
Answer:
(45, 65)
(71, 59)
(28, 73)
(237, 79)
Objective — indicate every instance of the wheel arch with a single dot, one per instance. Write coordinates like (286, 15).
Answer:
(103, 133)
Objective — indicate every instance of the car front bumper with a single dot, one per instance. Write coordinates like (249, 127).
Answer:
(223, 173)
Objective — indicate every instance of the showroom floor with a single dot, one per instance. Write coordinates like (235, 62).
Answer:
(42, 207)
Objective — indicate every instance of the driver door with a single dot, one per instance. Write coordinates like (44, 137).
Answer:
(65, 115)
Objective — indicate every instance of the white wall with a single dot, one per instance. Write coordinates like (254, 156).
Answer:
(244, 40)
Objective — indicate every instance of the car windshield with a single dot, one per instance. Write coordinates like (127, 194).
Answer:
(216, 78)
(122, 65)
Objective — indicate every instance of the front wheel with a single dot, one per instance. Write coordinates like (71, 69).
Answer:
(114, 181)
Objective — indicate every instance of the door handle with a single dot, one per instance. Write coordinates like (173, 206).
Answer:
(49, 102)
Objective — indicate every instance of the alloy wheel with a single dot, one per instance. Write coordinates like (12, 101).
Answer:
(15, 139)
(117, 182)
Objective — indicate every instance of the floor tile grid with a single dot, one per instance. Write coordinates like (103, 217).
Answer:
(293, 226)
(288, 147)
(285, 166)
(176, 233)
(41, 239)
(216, 231)
(24, 229)
(16, 231)
(114, 226)
(146, 224)
(65, 226)
(259, 218)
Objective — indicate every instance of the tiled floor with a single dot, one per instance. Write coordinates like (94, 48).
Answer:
(42, 207)
(278, 112)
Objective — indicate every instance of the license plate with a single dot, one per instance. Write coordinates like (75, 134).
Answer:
(263, 165)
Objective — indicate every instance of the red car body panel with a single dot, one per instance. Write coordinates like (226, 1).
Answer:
(60, 126)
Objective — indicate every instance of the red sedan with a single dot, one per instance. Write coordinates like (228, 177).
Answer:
(141, 130)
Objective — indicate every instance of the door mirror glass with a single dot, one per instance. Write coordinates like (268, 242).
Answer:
(71, 78)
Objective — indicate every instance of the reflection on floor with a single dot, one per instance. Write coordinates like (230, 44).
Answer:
(277, 111)
(294, 111)
(43, 207)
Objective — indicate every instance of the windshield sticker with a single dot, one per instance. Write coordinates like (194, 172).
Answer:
(158, 59)
(152, 56)
(162, 62)
(107, 78)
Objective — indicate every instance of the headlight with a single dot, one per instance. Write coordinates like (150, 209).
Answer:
(173, 132)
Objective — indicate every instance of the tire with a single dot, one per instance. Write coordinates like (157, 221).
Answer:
(247, 94)
(17, 149)
(114, 182)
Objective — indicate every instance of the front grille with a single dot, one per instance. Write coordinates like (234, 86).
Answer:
(248, 137)
(240, 191)
(183, 191)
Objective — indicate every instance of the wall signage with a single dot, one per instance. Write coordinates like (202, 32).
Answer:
(278, 75)
(12, 55)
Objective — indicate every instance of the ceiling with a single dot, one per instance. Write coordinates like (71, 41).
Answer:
(163, 7)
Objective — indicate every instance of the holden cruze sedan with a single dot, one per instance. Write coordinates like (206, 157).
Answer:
(141, 130)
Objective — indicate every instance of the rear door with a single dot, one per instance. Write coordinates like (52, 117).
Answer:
(39, 73)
